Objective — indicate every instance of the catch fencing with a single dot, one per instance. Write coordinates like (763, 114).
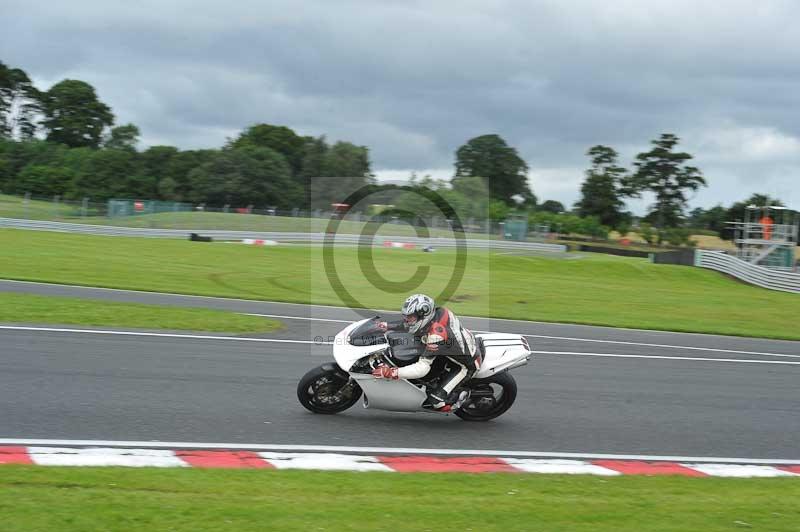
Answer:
(300, 237)
(750, 273)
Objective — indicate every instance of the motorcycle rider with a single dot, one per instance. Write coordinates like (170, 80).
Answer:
(444, 336)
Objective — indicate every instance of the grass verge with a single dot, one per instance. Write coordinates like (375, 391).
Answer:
(112, 499)
(16, 207)
(24, 308)
(592, 289)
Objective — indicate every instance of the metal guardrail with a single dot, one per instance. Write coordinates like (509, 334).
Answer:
(750, 273)
(309, 238)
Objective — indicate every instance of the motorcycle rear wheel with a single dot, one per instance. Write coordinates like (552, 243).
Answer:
(490, 398)
(327, 390)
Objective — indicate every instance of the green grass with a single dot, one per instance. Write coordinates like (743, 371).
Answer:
(117, 499)
(25, 308)
(591, 289)
(256, 222)
(14, 207)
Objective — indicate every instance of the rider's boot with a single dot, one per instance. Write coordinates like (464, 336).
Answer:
(441, 401)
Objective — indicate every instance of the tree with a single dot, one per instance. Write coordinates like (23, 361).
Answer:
(696, 218)
(679, 236)
(498, 210)
(246, 176)
(736, 212)
(415, 203)
(279, 138)
(345, 159)
(600, 195)
(156, 159)
(166, 189)
(556, 207)
(123, 138)
(19, 104)
(476, 193)
(647, 233)
(313, 160)
(178, 168)
(664, 172)
(41, 180)
(345, 169)
(106, 174)
(489, 157)
(155, 162)
(713, 219)
(17, 155)
(568, 223)
(74, 115)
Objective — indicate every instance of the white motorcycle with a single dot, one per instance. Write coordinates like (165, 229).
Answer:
(362, 346)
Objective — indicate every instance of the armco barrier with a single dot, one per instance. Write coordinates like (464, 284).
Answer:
(751, 273)
(307, 238)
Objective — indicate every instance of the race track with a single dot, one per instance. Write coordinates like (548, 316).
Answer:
(592, 390)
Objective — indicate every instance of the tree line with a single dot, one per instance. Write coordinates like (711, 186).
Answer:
(63, 141)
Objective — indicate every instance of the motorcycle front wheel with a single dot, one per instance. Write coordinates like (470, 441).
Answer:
(489, 398)
(327, 390)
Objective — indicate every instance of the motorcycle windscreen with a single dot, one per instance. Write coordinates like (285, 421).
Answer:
(405, 346)
(368, 333)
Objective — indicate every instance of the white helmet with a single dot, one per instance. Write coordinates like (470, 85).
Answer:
(417, 312)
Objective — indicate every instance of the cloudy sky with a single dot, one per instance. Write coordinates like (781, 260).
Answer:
(413, 80)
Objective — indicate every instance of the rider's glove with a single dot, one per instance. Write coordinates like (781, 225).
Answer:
(385, 372)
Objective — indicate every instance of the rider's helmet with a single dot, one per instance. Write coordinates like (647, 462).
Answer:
(417, 312)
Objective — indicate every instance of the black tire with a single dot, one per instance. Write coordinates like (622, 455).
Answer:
(327, 390)
(483, 408)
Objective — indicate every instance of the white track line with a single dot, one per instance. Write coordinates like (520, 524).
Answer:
(388, 450)
(164, 335)
(549, 323)
(194, 296)
(566, 338)
(296, 317)
(620, 342)
(700, 359)
(314, 342)
(688, 348)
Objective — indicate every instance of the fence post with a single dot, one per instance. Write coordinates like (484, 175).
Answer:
(84, 208)
(55, 205)
(25, 205)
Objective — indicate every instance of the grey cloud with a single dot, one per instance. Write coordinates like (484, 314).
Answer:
(414, 80)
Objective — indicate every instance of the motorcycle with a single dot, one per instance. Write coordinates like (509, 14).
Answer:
(362, 346)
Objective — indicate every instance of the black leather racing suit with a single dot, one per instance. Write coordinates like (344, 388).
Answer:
(454, 343)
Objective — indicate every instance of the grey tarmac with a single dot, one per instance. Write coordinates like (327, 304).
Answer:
(69, 385)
